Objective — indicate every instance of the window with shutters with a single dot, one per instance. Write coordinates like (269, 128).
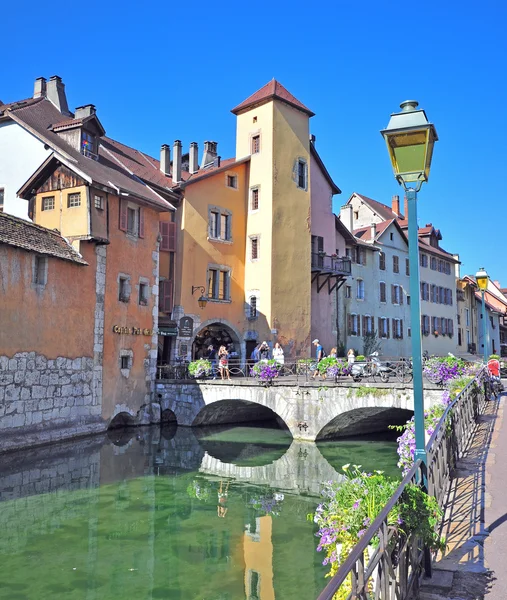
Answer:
(382, 261)
(219, 283)
(383, 327)
(254, 198)
(256, 144)
(425, 291)
(367, 324)
(425, 324)
(442, 295)
(383, 295)
(433, 263)
(434, 293)
(398, 329)
(396, 264)
(360, 289)
(165, 298)
(444, 326)
(167, 236)
(354, 324)
(450, 327)
(407, 266)
(423, 260)
(74, 200)
(254, 247)
(396, 295)
(131, 219)
(48, 203)
(219, 224)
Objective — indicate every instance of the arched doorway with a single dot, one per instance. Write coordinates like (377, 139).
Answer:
(216, 335)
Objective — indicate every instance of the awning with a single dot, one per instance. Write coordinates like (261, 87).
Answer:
(168, 331)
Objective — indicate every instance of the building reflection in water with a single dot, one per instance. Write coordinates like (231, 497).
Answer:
(152, 511)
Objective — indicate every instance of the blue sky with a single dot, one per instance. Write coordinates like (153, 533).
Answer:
(160, 71)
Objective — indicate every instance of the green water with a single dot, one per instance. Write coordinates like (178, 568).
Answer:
(170, 514)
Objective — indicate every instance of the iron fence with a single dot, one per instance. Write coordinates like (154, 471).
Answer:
(393, 570)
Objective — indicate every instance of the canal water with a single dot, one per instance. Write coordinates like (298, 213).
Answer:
(171, 513)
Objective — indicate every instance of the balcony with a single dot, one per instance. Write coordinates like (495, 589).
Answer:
(332, 270)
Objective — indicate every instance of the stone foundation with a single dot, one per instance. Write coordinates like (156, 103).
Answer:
(45, 400)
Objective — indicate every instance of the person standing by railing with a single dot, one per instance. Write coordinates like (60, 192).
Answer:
(278, 355)
(319, 355)
(223, 363)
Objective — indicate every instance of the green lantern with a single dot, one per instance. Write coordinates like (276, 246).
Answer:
(410, 138)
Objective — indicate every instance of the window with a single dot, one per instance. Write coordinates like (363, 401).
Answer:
(356, 215)
(447, 268)
(467, 317)
(219, 224)
(444, 326)
(354, 325)
(423, 260)
(125, 362)
(123, 289)
(143, 294)
(48, 203)
(434, 293)
(407, 266)
(99, 202)
(40, 270)
(88, 144)
(254, 248)
(383, 327)
(2, 196)
(131, 219)
(391, 236)
(396, 294)
(382, 261)
(254, 201)
(409, 332)
(449, 297)
(256, 144)
(254, 586)
(360, 289)
(367, 324)
(383, 295)
(396, 264)
(442, 295)
(450, 327)
(348, 291)
(301, 174)
(232, 181)
(253, 308)
(74, 200)
(425, 324)
(398, 329)
(168, 236)
(218, 283)
(165, 296)
(425, 291)
(433, 263)
(361, 256)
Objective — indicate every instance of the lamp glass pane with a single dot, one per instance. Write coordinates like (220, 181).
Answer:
(409, 151)
(482, 282)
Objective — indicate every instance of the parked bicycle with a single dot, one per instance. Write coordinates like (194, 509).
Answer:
(371, 368)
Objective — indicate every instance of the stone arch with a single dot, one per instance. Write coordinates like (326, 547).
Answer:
(363, 420)
(122, 419)
(236, 336)
(168, 416)
(234, 411)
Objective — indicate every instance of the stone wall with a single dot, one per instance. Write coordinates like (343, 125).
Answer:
(45, 400)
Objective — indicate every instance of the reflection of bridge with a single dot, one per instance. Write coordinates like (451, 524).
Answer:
(309, 412)
(302, 469)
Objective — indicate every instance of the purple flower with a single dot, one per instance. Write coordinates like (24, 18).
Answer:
(361, 533)
(356, 504)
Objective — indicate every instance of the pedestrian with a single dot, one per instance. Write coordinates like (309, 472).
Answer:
(254, 359)
(212, 357)
(351, 357)
(223, 363)
(319, 355)
(264, 352)
(278, 356)
(333, 353)
(222, 498)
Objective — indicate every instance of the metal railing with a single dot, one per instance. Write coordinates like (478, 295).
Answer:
(395, 567)
(331, 264)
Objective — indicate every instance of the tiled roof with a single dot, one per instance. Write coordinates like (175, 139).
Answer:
(40, 116)
(18, 104)
(344, 232)
(228, 163)
(34, 238)
(270, 91)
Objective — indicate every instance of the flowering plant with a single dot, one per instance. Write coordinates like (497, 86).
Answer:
(199, 368)
(266, 371)
(269, 504)
(332, 367)
(350, 506)
(441, 370)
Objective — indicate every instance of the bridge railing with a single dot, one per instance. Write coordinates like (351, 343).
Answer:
(394, 568)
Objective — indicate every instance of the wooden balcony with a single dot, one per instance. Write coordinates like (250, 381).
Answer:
(332, 270)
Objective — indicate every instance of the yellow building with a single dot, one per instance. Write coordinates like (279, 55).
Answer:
(244, 238)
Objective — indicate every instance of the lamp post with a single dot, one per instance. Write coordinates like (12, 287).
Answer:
(410, 138)
(202, 300)
(481, 277)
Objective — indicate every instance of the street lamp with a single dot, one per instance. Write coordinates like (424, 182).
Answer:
(202, 300)
(410, 138)
(481, 277)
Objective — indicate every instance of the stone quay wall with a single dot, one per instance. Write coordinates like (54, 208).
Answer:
(45, 400)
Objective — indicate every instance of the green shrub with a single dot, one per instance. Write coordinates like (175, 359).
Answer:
(199, 368)
(360, 358)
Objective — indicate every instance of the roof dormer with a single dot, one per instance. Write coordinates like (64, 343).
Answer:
(83, 132)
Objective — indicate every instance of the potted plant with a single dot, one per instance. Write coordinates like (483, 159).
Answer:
(199, 368)
(265, 371)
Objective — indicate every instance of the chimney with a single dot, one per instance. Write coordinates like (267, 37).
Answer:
(497, 283)
(405, 202)
(56, 93)
(346, 216)
(193, 158)
(165, 159)
(209, 154)
(313, 139)
(177, 161)
(84, 111)
(373, 230)
(39, 88)
(395, 205)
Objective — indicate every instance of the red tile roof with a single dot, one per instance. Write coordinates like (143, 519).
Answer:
(270, 91)
(34, 238)
(228, 163)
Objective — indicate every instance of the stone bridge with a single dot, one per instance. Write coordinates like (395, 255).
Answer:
(309, 412)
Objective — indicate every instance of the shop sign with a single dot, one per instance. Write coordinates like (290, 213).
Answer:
(186, 327)
(132, 330)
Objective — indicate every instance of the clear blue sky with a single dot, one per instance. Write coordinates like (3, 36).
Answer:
(160, 71)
